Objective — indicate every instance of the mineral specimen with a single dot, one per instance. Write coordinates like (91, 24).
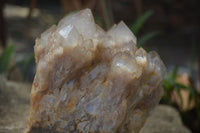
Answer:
(89, 80)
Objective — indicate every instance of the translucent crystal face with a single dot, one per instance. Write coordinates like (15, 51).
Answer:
(89, 80)
(121, 34)
(83, 21)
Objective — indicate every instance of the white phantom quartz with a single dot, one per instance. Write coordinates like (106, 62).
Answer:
(90, 80)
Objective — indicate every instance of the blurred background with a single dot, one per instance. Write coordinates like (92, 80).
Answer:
(170, 27)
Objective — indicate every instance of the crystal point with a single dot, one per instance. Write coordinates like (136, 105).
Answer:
(121, 34)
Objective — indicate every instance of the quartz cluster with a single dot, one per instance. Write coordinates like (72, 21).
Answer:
(89, 80)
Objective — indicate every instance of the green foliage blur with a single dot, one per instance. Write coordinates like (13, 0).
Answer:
(191, 117)
(5, 61)
(138, 24)
(5, 58)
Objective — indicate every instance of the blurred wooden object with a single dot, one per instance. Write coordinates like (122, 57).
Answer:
(199, 68)
(67, 5)
(185, 94)
(2, 25)
(71, 5)
(138, 7)
(29, 21)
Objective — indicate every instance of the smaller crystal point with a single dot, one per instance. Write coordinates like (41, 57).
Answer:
(121, 34)
(83, 21)
(69, 36)
(89, 80)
